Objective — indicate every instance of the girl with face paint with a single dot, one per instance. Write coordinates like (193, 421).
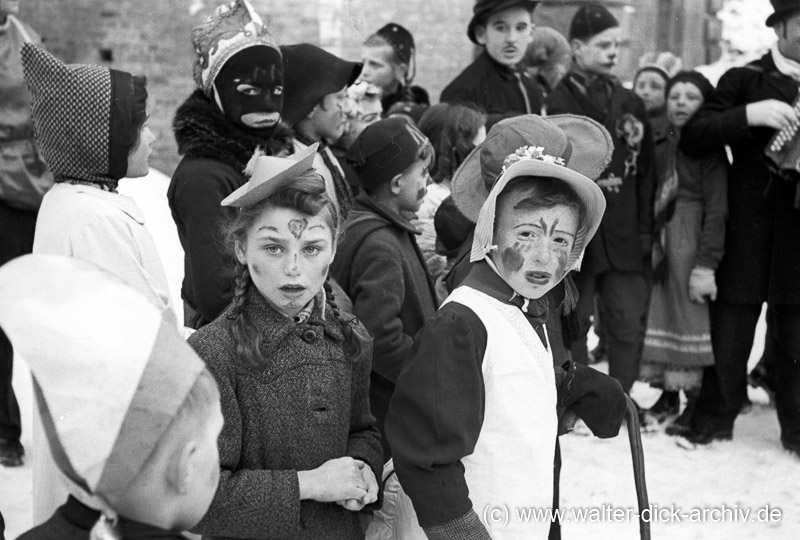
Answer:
(236, 108)
(300, 452)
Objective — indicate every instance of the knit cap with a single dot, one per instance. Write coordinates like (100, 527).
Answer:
(231, 28)
(81, 116)
(694, 77)
(110, 369)
(665, 64)
(400, 39)
(590, 20)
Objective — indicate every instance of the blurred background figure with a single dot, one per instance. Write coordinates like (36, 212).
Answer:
(389, 57)
(24, 179)
(650, 84)
(690, 208)
(548, 57)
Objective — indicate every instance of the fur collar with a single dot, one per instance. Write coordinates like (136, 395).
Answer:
(202, 131)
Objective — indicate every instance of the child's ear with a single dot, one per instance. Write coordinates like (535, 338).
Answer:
(182, 468)
(240, 255)
(310, 115)
(396, 184)
(480, 34)
(576, 45)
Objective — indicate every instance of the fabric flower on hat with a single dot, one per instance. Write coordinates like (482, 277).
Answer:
(531, 152)
(231, 28)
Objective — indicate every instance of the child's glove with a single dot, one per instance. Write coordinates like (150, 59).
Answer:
(702, 284)
(594, 397)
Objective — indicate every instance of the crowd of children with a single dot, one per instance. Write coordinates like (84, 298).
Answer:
(389, 301)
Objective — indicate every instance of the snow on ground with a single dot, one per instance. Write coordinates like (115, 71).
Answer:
(751, 473)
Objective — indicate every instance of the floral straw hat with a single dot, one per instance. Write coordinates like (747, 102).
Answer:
(571, 148)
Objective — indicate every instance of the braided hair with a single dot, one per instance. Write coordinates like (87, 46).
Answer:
(306, 194)
(353, 342)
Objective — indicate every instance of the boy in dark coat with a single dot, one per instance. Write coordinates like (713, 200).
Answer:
(616, 262)
(379, 264)
(762, 255)
(130, 412)
(493, 82)
(217, 129)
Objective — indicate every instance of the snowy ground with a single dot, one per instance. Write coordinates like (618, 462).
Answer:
(751, 473)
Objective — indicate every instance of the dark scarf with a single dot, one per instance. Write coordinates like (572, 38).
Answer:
(202, 131)
(666, 195)
(595, 92)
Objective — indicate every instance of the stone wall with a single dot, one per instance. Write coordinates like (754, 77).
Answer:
(151, 37)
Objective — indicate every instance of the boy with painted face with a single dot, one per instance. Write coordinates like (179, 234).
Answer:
(617, 262)
(474, 409)
(493, 82)
(235, 109)
(379, 264)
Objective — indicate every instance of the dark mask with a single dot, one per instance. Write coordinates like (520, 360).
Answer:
(250, 87)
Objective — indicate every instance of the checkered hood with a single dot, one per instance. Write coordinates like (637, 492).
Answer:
(75, 110)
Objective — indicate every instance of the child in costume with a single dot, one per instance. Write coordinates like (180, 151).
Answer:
(650, 84)
(379, 265)
(690, 210)
(299, 451)
(494, 82)
(474, 410)
(315, 100)
(91, 124)
(130, 412)
(235, 109)
(617, 265)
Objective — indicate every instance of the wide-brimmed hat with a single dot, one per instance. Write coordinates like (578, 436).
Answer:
(484, 8)
(574, 149)
(268, 173)
(310, 74)
(783, 9)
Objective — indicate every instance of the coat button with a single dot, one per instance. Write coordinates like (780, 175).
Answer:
(309, 336)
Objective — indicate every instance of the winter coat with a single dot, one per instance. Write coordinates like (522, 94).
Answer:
(762, 253)
(306, 404)
(704, 181)
(494, 89)
(625, 234)
(381, 268)
(215, 152)
(106, 229)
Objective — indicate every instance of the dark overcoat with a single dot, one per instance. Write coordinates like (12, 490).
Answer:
(762, 239)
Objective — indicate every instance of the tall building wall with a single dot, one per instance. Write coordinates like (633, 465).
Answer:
(151, 37)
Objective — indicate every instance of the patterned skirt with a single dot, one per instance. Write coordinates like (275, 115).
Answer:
(678, 340)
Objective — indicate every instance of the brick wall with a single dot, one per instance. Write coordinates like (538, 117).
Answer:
(151, 37)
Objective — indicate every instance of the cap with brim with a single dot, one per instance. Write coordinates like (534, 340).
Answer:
(485, 8)
(268, 173)
(783, 9)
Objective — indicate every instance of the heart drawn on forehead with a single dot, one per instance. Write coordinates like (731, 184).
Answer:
(297, 226)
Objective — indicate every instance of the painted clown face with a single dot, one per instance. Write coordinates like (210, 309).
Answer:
(533, 243)
(249, 87)
(288, 254)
